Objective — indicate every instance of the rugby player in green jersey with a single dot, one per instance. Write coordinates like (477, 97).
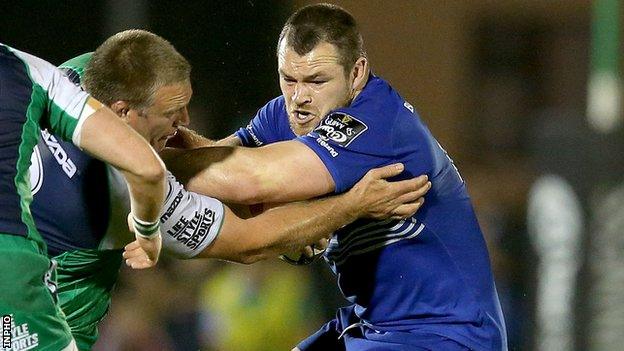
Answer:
(35, 94)
(147, 83)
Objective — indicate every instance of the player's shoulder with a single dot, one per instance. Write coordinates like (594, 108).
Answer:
(39, 70)
(378, 104)
(274, 108)
(373, 111)
(74, 68)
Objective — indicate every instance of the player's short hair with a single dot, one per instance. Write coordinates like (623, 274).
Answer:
(131, 66)
(314, 24)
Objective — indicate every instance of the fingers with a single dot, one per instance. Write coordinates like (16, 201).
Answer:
(132, 246)
(407, 210)
(308, 251)
(419, 183)
(140, 263)
(386, 171)
(137, 259)
(322, 244)
(412, 196)
(134, 253)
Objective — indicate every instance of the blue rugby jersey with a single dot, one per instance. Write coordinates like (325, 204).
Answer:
(430, 273)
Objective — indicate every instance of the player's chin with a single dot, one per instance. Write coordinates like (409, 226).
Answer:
(304, 128)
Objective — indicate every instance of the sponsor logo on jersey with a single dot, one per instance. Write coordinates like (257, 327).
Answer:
(192, 232)
(408, 106)
(59, 154)
(321, 141)
(174, 204)
(36, 171)
(17, 337)
(340, 128)
(255, 139)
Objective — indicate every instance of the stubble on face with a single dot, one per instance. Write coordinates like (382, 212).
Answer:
(313, 85)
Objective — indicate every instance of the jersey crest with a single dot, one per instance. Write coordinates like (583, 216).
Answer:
(341, 128)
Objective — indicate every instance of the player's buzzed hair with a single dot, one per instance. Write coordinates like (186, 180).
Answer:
(131, 65)
(329, 23)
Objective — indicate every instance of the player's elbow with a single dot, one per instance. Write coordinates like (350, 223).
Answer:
(151, 171)
(251, 192)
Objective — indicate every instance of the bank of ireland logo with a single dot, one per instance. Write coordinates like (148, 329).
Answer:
(17, 337)
(341, 128)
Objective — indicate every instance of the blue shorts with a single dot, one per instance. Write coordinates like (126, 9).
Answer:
(340, 334)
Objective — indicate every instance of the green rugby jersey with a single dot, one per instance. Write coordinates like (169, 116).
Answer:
(33, 94)
(88, 248)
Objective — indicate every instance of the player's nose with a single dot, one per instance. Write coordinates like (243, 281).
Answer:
(301, 95)
(183, 118)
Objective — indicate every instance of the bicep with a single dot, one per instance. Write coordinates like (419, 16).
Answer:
(280, 172)
(293, 172)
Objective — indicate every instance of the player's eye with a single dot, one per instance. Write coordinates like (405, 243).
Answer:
(173, 113)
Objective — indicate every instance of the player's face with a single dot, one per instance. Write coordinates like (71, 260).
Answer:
(313, 84)
(161, 120)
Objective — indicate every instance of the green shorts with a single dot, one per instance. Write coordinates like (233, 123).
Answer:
(31, 318)
(85, 282)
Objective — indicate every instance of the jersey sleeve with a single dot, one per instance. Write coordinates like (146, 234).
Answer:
(349, 146)
(264, 128)
(66, 105)
(190, 222)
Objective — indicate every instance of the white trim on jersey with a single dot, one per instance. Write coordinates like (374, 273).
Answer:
(339, 251)
(61, 91)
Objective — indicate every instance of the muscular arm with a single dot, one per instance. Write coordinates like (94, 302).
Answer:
(279, 230)
(142, 169)
(289, 227)
(186, 138)
(281, 172)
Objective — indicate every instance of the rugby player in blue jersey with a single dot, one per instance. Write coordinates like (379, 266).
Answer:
(147, 83)
(424, 283)
(35, 94)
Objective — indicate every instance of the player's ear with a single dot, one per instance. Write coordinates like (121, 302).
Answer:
(121, 108)
(359, 74)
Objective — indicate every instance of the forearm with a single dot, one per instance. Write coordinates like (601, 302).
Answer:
(143, 170)
(189, 139)
(293, 226)
(146, 196)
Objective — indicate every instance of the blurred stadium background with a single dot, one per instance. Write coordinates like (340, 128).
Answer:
(524, 94)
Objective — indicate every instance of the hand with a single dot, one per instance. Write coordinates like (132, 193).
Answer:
(315, 249)
(376, 198)
(186, 138)
(306, 255)
(143, 252)
(136, 256)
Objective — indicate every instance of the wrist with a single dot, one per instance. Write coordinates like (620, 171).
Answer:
(349, 205)
(145, 229)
